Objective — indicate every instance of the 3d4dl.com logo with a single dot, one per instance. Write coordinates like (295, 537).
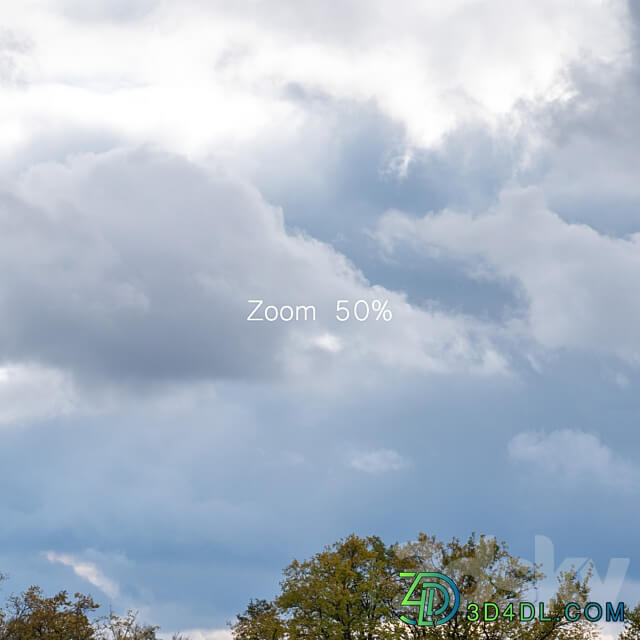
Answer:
(425, 588)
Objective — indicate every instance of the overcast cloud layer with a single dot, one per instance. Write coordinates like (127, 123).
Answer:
(475, 164)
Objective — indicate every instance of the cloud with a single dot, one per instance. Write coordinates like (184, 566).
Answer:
(377, 461)
(581, 150)
(126, 271)
(86, 570)
(202, 634)
(13, 57)
(328, 342)
(573, 456)
(136, 267)
(30, 392)
(101, 11)
(580, 286)
(226, 64)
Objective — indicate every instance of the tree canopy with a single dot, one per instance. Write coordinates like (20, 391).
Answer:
(631, 625)
(33, 616)
(353, 590)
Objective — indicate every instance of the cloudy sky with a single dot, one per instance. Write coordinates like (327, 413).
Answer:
(474, 163)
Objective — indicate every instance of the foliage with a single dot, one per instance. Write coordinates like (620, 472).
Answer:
(347, 590)
(631, 629)
(114, 627)
(260, 621)
(351, 590)
(31, 615)
(485, 571)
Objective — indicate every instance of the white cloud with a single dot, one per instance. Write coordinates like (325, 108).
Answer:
(573, 456)
(328, 342)
(86, 570)
(202, 634)
(29, 392)
(582, 288)
(377, 461)
(212, 74)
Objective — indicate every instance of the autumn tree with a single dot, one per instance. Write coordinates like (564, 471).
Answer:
(32, 616)
(352, 590)
(260, 621)
(346, 591)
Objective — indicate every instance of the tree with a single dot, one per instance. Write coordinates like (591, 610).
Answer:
(260, 621)
(484, 571)
(114, 627)
(352, 590)
(631, 629)
(33, 616)
(346, 591)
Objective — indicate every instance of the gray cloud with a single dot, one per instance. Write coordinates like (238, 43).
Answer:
(138, 267)
(339, 171)
(583, 145)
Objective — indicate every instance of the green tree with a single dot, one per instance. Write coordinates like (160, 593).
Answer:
(351, 590)
(114, 627)
(346, 591)
(631, 629)
(484, 571)
(260, 621)
(32, 616)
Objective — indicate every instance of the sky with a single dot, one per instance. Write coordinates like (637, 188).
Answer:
(473, 165)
